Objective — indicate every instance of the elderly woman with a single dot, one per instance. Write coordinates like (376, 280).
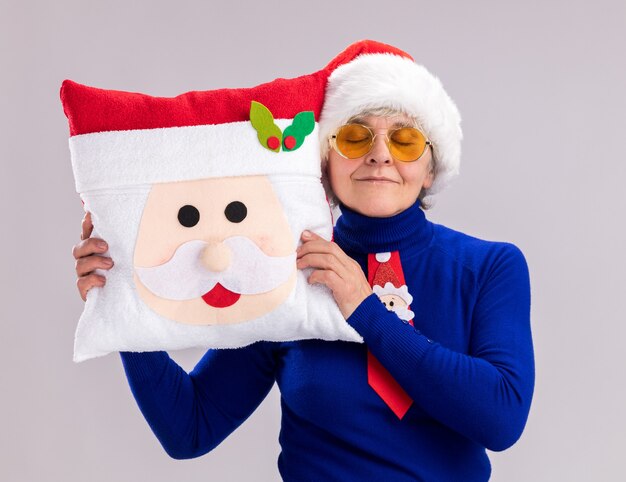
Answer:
(447, 368)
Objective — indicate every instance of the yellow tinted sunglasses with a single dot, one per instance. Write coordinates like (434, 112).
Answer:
(405, 144)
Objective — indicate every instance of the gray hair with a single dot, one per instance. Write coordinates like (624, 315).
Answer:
(379, 112)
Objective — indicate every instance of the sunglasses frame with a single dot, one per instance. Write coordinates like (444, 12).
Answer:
(333, 141)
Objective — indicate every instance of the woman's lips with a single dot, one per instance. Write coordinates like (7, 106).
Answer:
(220, 297)
(377, 180)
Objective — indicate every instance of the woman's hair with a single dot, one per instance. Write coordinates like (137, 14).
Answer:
(379, 112)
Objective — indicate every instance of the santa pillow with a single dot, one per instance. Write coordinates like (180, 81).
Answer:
(202, 199)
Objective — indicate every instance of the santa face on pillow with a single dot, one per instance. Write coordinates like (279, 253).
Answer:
(214, 251)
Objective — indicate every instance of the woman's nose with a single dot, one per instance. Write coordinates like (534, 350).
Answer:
(379, 152)
(216, 257)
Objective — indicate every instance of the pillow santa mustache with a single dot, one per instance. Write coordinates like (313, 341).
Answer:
(238, 265)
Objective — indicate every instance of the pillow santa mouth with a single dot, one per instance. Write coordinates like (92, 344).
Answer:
(220, 297)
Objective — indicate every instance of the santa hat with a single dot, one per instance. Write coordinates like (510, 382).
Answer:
(381, 76)
(125, 139)
(385, 274)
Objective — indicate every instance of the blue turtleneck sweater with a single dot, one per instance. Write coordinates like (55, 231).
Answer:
(467, 363)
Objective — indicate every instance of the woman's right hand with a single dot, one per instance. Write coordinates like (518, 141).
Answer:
(87, 259)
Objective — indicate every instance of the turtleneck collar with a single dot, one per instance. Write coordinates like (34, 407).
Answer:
(362, 234)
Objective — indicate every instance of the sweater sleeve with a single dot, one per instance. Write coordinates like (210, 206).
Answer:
(191, 413)
(484, 395)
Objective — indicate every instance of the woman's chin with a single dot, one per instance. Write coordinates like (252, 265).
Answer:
(377, 210)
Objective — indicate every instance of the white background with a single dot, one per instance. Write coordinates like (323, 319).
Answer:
(540, 86)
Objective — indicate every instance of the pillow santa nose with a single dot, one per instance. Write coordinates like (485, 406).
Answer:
(216, 257)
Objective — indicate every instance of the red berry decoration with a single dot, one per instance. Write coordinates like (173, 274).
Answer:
(290, 142)
(273, 143)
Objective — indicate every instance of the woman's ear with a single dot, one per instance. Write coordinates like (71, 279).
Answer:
(430, 177)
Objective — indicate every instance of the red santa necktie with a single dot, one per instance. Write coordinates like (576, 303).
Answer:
(382, 269)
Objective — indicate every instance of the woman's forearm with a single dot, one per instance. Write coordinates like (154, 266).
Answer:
(190, 414)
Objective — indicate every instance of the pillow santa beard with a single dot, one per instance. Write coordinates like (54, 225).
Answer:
(202, 222)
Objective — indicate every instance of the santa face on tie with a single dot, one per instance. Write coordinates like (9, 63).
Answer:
(214, 251)
(396, 300)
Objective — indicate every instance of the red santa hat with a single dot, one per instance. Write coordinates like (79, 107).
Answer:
(385, 274)
(371, 75)
(123, 138)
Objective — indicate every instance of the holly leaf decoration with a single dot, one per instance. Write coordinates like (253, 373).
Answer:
(294, 135)
(269, 134)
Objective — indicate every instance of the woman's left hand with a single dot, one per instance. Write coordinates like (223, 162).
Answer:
(335, 269)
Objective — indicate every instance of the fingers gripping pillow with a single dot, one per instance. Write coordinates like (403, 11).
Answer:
(202, 199)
